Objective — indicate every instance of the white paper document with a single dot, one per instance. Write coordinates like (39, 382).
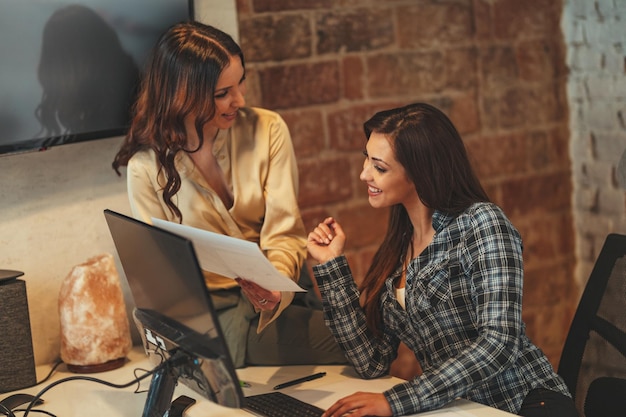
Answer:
(231, 257)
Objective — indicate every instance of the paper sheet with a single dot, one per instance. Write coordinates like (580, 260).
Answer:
(231, 257)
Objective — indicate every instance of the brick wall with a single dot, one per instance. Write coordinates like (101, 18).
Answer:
(496, 67)
(596, 58)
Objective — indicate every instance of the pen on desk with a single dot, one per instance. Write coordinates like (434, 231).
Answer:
(299, 380)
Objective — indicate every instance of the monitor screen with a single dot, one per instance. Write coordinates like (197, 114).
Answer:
(69, 69)
(174, 313)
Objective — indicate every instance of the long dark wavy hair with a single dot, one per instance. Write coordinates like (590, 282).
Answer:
(180, 80)
(428, 146)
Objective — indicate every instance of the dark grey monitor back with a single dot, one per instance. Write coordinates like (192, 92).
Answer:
(172, 304)
(162, 272)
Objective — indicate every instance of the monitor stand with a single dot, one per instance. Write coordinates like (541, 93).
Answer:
(164, 380)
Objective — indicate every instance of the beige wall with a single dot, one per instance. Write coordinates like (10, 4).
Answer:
(51, 204)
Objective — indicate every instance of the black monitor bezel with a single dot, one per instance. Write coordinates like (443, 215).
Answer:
(191, 351)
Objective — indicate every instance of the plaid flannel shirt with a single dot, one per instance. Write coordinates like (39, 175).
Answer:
(463, 318)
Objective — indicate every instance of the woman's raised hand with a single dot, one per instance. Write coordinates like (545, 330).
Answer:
(326, 241)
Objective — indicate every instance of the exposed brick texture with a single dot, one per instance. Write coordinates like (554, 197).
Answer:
(300, 85)
(350, 30)
(277, 38)
(496, 67)
(596, 64)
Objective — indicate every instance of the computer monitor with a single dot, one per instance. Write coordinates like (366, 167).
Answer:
(174, 315)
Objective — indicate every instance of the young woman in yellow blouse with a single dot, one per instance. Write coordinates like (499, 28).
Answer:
(197, 156)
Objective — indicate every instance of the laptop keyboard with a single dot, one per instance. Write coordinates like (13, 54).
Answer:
(277, 404)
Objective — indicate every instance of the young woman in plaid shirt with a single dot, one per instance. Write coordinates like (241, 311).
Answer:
(447, 281)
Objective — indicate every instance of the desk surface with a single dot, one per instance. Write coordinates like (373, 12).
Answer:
(80, 398)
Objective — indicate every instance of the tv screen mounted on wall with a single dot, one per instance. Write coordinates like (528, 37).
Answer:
(69, 70)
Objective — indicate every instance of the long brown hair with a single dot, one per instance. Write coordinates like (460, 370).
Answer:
(428, 146)
(180, 80)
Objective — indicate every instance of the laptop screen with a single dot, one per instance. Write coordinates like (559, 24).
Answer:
(173, 310)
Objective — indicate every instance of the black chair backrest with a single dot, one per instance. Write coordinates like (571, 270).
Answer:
(596, 343)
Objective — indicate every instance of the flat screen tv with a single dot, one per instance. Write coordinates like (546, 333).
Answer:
(69, 69)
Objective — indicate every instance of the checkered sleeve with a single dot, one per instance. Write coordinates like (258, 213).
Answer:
(370, 356)
(492, 259)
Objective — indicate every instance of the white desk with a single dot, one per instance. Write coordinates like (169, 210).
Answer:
(82, 398)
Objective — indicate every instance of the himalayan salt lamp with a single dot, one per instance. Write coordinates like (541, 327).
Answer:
(95, 332)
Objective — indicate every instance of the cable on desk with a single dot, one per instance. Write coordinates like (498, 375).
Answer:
(38, 411)
(138, 390)
(91, 379)
(6, 410)
(55, 365)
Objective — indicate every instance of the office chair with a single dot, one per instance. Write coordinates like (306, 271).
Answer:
(593, 361)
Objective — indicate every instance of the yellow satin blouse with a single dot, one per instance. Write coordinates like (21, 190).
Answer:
(257, 157)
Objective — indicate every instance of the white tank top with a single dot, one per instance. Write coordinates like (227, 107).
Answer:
(400, 296)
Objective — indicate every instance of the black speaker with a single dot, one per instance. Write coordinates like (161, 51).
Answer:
(17, 361)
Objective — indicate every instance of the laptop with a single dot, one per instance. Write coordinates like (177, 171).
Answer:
(178, 323)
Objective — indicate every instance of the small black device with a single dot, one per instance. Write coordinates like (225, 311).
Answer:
(15, 400)
(8, 275)
(179, 405)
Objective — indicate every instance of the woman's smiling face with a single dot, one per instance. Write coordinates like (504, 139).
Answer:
(229, 94)
(386, 179)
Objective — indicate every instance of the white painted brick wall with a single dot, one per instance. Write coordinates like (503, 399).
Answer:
(595, 35)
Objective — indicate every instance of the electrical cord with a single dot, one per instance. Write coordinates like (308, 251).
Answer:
(55, 365)
(136, 380)
(37, 411)
(11, 412)
(138, 390)
(6, 410)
